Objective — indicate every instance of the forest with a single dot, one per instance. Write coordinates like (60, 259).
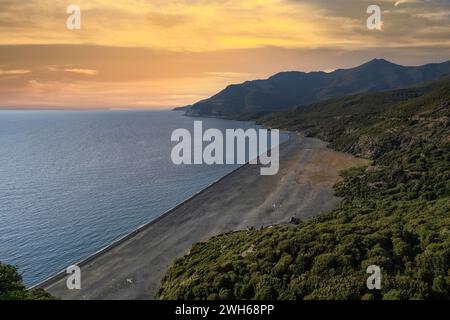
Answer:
(394, 213)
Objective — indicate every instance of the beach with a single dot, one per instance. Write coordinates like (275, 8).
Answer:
(133, 267)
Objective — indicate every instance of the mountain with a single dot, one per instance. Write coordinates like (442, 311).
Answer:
(359, 123)
(394, 213)
(186, 108)
(289, 89)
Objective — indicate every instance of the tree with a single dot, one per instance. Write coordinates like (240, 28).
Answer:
(12, 287)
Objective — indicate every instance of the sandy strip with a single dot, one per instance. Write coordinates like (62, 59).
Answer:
(134, 267)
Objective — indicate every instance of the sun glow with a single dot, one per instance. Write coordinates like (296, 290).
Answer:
(147, 53)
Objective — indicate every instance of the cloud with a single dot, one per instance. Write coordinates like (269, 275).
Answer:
(166, 20)
(172, 52)
(141, 78)
(14, 72)
(436, 16)
(399, 2)
(71, 69)
(88, 72)
(228, 74)
(37, 85)
(199, 25)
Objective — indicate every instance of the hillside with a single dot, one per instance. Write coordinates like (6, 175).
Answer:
(12, 287)
(289, 89)
(369, 125)
(395, 212)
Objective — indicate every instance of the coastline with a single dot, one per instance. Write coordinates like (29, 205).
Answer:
(62, 274)
(133, 266)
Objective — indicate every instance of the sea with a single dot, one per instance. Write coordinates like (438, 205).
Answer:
(73, 182)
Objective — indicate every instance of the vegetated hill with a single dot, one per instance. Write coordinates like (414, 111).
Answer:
(369, 125)
(395, 213)
(289, 89)
(12, 287)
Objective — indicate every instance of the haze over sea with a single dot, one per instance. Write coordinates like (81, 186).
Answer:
(72, 182)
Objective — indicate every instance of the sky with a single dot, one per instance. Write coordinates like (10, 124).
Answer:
(139, 54)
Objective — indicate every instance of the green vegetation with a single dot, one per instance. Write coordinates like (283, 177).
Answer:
(395, 213)
(12, 287)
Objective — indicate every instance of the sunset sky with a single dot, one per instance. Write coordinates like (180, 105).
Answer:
(167, 53)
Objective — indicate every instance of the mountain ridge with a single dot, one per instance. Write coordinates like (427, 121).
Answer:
(288, 89)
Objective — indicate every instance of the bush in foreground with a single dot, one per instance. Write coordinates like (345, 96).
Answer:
(12, 287)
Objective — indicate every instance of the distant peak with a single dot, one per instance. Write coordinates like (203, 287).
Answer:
(379, 62)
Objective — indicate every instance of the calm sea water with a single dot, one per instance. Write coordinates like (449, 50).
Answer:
(73, 182)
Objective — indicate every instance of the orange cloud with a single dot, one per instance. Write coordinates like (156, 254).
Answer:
(152, 53)
(88, 72)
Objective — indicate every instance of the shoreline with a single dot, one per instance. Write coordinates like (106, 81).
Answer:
(133, 266)
(62, 273)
